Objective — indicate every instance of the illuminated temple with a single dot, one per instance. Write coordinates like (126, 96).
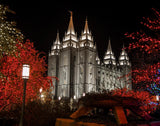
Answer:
(76, 63)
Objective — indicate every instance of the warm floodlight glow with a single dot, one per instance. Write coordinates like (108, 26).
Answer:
(157, 97)
(42, 96)
(40, 90)
(25, 71)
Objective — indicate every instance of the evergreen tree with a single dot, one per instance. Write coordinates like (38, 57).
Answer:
(8, 33)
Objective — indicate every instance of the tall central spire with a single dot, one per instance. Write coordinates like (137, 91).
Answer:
(71, 27)
(70, 37)
(86, 30)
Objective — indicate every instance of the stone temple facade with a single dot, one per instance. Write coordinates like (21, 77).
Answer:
(76, 63)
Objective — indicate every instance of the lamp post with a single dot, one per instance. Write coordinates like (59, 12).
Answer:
(25, 77)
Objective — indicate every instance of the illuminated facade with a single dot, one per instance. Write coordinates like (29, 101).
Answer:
(77, 65)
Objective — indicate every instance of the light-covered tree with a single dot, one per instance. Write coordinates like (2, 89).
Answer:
(9, 34)
(145, 50)
(11, 84)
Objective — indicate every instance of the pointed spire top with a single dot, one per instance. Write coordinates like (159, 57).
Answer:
(109, 45)
(71, 27)
(56, 46)
(123, 48)
(123, 58)
(86, 29)
(109, 57)
(57, 38)
(123, 44)
(71, 13)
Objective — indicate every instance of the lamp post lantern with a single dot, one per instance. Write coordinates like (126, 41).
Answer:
(157, 97)
(25, 77)
(25, 72)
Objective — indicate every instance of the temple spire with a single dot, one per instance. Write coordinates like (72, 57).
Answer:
(55, 49)
(86, 29)
(86, 38)
(123, 58)
(71, 27)
(109, 46)
(70, 37)
(57, 38)
(109, 57)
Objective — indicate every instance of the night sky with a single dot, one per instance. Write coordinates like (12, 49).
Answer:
(39, 21)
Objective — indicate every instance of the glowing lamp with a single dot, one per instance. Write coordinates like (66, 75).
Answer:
(157, 97)
(42, 96)
(40, 90)
(25, 71)
(25, 76)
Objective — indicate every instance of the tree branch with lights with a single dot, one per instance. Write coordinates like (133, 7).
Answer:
(11, 85)
(145, 49)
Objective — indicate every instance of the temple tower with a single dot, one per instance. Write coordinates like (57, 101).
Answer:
(125, 65)
(67, 62)
(86, 62)
(53, 63)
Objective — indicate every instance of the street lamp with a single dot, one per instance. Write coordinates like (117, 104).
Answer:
(25, 77)
(59, 98)
(157, 97)
(25, 72)
(40, 90)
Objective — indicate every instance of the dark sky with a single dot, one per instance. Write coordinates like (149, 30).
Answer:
(39, 21)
